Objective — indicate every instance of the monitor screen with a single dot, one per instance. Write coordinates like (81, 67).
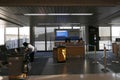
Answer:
(61, 34)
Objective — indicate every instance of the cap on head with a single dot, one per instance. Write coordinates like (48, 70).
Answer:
(25, 44)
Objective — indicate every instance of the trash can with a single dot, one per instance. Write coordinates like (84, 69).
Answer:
(61, 54)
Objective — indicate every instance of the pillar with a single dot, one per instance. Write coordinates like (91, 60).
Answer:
(32, 35)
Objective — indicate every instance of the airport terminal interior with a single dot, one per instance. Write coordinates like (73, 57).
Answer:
(66, 40)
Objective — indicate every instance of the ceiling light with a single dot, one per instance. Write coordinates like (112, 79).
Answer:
(58, 14)
(114, 23)
(82, 14)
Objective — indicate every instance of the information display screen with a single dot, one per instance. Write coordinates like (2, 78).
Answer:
(61, 34)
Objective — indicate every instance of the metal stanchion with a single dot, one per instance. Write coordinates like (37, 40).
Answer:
(87, 49)
(108, 54)
(95, 59)
(87, 53)
(105, 62)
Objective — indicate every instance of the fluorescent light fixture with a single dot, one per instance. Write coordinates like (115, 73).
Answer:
(82, 14)
(58, 14)
(58, 23)
(114, 23)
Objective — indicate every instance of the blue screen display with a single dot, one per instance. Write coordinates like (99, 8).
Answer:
(61, 34)
(64, 34)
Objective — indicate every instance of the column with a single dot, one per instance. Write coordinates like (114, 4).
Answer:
(32, 35)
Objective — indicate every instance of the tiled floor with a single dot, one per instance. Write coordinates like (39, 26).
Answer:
(75, 68)
(103, 76)
(110, 76)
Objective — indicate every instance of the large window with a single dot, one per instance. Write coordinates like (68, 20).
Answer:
(24, 34)
(40, 38)
(50, 37)
(105, 39)
(64, 27)
(11, 37)
(45, 36)
(1, 35)
(44, 41)
(15, 33)
(82, 31)
(115, 32)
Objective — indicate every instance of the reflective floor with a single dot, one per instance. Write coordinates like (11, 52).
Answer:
(110, 76)
(75, 68)
(106, 76)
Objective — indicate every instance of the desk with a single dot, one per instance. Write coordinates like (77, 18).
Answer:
(75, 51)
(72, 49)
(116, 49)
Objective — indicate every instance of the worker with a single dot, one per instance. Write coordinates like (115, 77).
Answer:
(31, 49)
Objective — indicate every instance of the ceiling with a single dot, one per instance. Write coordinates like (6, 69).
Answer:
(102, 15)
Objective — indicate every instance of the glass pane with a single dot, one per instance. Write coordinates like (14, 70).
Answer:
(40, 45)
(82, 31)
(40, 38)
(1, 35)
(63, 27)
(50, 37)
(24, 35)
(76, 27)
(115, 32)
(104, 33)
(107, 44)
(12, 37)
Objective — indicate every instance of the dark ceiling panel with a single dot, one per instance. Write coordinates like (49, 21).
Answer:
(101, 15)
(58, 2)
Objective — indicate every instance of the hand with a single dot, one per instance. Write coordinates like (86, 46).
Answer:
(26, 49)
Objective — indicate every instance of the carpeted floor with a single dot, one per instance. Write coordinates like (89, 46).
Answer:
(38, 66)
(43, 54)
(41, 58)
(110, 58)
